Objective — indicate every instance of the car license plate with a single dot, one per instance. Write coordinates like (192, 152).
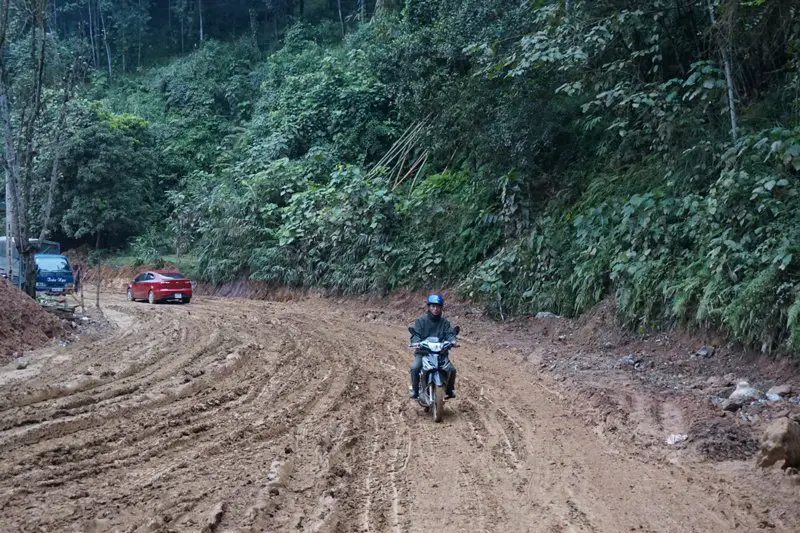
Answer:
(178, 295)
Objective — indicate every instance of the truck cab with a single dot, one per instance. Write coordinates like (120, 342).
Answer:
(54, 274)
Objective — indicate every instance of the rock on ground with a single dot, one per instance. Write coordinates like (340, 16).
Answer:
(780, 390)
(744, 392)
(781, 440)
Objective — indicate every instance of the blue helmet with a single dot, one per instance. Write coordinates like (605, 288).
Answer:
(435, 299)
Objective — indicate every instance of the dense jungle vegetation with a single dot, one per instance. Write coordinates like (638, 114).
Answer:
(538, 155)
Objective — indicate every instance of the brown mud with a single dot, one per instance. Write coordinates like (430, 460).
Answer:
(239, 415)
(24, 324)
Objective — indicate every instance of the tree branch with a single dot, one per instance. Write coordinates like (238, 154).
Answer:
(57, 148)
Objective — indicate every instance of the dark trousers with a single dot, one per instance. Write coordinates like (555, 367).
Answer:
(416, 367)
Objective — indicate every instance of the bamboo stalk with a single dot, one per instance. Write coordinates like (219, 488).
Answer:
(421, 159)
(398, 146)
(414, 181)
(402, 145)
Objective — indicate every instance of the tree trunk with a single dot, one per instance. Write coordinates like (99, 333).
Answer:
(30, 114)
(57, 148)
(724, 46)
(18, 212)
(105, 42)
(19, 147)
(341, 18)
(9, 232)
(275, 31)
(726, 58)
(11, 166)
(30, 269)
(183, 30)
(254, 27)
(382, 7)
(48, 207)
(11, 162)
(91, 36)
(139, 38)
(200, 9)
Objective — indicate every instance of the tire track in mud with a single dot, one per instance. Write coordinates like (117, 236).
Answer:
(187, 420)
(400, 455)
(338, 465)
(235, 415)
(368, 489)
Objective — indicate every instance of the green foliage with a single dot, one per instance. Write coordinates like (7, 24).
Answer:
(151, 246)
(726, 259)
(317, 98)
(561, 153)
(335, 235)
(234, 220)
(449, 224)
(109, 167)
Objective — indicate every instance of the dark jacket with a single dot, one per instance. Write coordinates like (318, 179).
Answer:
(430, 326)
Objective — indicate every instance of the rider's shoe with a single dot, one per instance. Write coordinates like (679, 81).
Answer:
(450, 395)
(413, 395)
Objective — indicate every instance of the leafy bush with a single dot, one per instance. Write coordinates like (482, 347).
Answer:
(724, 260)
(335, 235)
(150, 247)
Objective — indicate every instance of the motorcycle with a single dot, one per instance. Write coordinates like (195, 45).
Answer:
(435, 372)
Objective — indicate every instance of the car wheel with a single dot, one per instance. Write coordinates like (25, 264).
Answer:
(130, 295)
(151, 297)
(186, 300)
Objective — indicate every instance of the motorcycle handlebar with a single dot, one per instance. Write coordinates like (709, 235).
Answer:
(418, 344)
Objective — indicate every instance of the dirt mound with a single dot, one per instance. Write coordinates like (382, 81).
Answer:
(24, 324)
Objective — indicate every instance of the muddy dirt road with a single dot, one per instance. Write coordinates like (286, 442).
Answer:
(237, 415)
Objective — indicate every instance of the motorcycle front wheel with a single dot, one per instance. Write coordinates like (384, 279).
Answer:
(437, 402)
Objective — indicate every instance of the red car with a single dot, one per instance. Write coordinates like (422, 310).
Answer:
(160, 286)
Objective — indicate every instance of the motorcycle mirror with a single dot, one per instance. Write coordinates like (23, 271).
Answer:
(456, 330)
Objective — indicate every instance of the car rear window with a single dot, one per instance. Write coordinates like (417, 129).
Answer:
(173, 275)
(52, 264)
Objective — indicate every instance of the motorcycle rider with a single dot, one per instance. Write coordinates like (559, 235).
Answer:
(431, 324)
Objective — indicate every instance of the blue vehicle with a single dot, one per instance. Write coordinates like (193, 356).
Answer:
(54, 274)
(13, 270)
